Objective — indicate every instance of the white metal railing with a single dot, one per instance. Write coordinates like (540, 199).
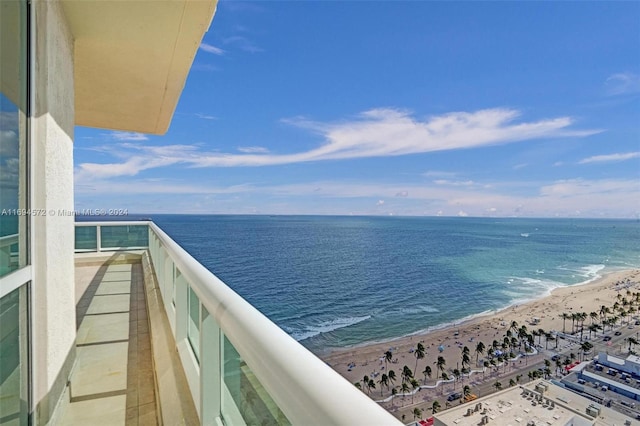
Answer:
(236, 359)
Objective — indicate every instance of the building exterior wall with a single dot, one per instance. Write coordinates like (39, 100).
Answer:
(53, 292)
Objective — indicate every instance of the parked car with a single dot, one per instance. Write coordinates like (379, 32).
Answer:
(454, 396)
(555, 357)
(607, 338)
(617, 333)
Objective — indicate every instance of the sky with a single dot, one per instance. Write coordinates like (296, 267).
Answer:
(499, 109)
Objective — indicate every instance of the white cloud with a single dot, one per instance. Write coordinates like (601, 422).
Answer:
(520, 166)
(138, 158)
(462, 213)
(253, 149)
(558, 163)
(206, 117)
(211, 49)
(439, 174)
(374, 133)
(402, 194)
(454, 183)
(390, 132)
(562, 198)
(128, 136)
(243, 43)
(610, 157)
(622, 83)
(8, 143)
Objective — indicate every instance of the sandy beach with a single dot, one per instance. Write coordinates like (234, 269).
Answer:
(544, 313)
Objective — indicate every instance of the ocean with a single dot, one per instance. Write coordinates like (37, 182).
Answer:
(333, 282)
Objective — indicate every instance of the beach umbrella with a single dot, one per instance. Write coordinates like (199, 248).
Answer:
(441, 348)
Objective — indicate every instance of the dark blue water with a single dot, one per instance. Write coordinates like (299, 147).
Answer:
(338, 281)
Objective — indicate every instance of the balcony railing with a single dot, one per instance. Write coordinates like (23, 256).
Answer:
(242, 369)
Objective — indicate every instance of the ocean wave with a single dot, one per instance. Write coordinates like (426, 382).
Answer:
(309, 331)
(410, 310)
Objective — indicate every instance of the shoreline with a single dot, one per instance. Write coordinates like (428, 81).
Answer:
(327, 352)
(543, 313)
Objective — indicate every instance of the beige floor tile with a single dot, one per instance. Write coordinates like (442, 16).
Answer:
(116, 276)
(99, 369)
(109, 411)
(103, 328)
(120, 267)
(114, 287)
(107, 304)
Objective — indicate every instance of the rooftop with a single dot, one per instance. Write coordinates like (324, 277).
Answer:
(522, 404)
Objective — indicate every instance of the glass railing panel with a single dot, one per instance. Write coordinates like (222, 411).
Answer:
(14, 358)
(114, 236)
(245, 395)
(193, 323)
(86, 238)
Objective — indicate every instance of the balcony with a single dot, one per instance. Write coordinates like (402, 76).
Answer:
(160, 338)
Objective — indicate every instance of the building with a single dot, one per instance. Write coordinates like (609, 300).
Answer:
(122, 65)
(539, 402)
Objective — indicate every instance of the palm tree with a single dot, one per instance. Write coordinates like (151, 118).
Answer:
(426, 372)
(358, 385)
(388, 357)
(593, 316)
(384, 381)
(404, 389)
(632, 341)
(512, 383)
(419, 353)
(585, 347)
(435, 407)
(479, 350)
(394, 392)
(406, 374)
(456, 374)
(365, 380)
(592, 328)
(497, 385)
(441, 363)
(371, 385)
(485, 365)
(417, 413)
(392, 376)
(466, 391)
(564, 317)
(514, 326)
(415, 385)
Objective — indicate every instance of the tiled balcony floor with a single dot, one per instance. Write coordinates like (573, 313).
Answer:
(112, 382)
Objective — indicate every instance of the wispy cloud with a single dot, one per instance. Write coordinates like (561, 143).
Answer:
(243, 43)
(138, 158)
(374, 133)
(610, 158)
(206, 116)
(454, 183)
(205, 47)
(392, 132)
(622, 83)
(127, 136)
(520, 166)
(439, 174)
(253, 149)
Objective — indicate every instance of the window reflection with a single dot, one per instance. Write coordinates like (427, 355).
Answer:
(13, 95)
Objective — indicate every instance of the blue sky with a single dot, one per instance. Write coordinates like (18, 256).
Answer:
(392, 108)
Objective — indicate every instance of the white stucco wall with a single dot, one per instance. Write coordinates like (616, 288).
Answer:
(52, 236)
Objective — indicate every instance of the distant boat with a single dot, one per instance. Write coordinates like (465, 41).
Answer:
(524, 235)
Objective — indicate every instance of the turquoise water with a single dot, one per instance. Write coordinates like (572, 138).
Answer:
(339, 281)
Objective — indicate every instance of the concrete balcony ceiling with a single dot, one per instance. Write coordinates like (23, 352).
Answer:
(132, 58)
